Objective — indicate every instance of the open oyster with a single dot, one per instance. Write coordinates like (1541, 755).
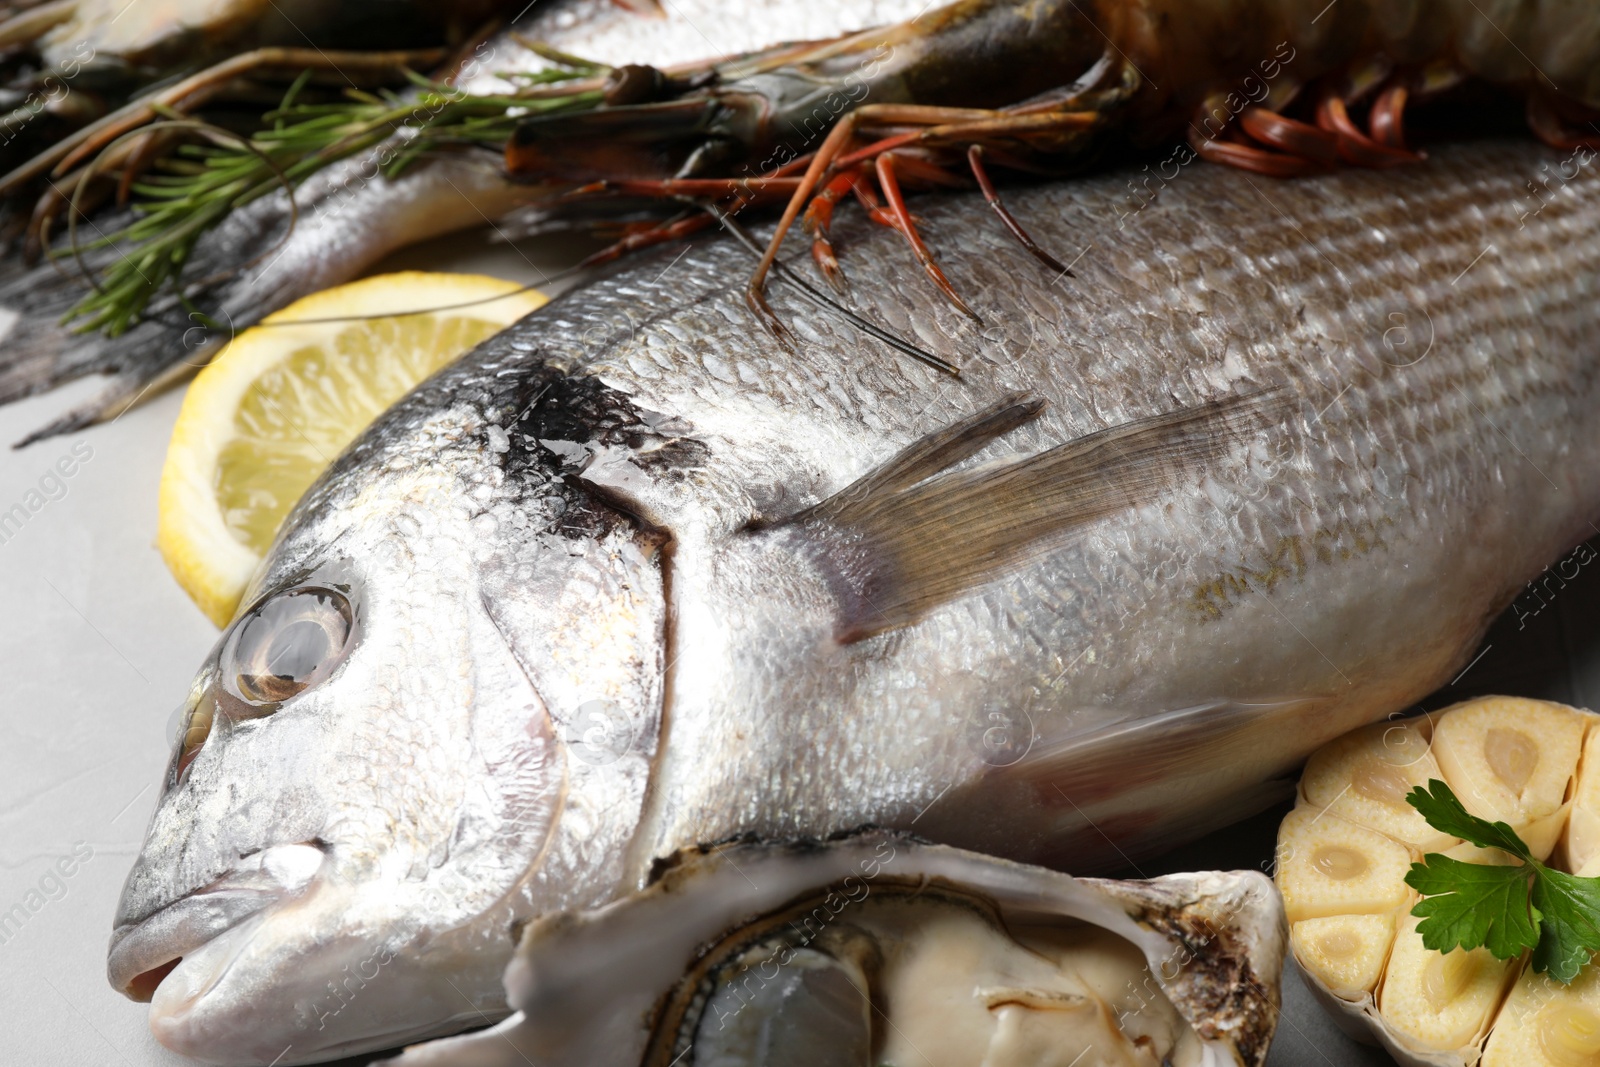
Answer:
(878, 949)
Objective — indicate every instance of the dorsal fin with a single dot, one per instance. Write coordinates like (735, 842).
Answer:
(923, 459)
(908, 536)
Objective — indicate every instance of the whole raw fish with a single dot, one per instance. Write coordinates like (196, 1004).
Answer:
(632, 575)
(346, 217)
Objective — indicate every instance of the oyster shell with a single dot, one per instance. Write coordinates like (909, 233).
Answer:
(878, 948)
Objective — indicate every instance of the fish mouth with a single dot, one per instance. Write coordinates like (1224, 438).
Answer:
(144, 952)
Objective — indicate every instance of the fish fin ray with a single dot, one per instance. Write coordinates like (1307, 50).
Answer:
(1139, 785)
(1157, 747)
(911, 534)
(926, 458)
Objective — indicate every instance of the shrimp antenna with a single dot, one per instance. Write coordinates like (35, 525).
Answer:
(822, 300)
(560, 275)
(743, 237)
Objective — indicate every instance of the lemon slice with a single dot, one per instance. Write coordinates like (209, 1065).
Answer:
(279, 403)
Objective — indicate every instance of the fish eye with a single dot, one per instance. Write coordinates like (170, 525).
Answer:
(287, 644)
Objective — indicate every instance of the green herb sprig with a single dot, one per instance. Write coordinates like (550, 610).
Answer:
(1506, 909)
(198, 185)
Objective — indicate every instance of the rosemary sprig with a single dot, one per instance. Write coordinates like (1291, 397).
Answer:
(196, 187)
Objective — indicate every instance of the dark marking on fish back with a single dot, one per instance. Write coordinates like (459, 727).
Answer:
(558, 421)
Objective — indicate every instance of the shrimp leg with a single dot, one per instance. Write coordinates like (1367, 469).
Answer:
(897, 204)
(1555, 129)
(975, 160)
(671, 230)
(1355, 146)
(932, 126)
(816, 221)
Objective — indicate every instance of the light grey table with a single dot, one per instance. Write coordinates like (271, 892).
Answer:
(98, 644)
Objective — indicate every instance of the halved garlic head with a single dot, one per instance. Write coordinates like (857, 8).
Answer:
(1507, 759)
(1583, 821)
(1545, 1024)
(1329, 866)
(1347, 952)
(1512, 760)
(1365, 776)
(1440, 1000)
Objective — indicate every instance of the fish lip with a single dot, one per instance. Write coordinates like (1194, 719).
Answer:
(166, 935)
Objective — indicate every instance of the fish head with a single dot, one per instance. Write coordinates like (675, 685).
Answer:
(432, 720)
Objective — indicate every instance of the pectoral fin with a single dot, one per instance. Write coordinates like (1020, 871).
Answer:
(1130, 785)
(1094, 765)
(911, 535)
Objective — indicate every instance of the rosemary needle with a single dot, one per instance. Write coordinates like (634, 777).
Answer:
(200, 184)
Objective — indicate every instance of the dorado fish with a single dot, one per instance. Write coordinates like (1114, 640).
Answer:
(635, 575)
(347, 216)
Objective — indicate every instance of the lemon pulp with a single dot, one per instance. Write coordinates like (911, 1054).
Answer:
(283, 399)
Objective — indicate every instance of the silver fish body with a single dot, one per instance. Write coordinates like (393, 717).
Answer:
(633, 576)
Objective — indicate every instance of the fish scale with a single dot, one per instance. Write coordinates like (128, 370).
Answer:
(1180, 520)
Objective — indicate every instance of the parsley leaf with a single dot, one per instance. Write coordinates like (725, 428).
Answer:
(1448, 815)
(1568, 936)
(1472, 904)
(1506, 909)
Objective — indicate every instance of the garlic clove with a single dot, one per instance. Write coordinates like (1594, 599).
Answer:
(1365, 776)
(1440, 1000)
(1330, 866)
(1512, 760)
(1583, 822)
(1346, 953)
(1546, 1024)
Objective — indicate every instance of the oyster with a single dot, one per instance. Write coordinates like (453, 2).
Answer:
(879, 949)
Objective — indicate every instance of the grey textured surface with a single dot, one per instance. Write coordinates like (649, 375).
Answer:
(98, 645)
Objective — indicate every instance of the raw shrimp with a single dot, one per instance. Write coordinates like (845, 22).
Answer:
(1037, 84)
